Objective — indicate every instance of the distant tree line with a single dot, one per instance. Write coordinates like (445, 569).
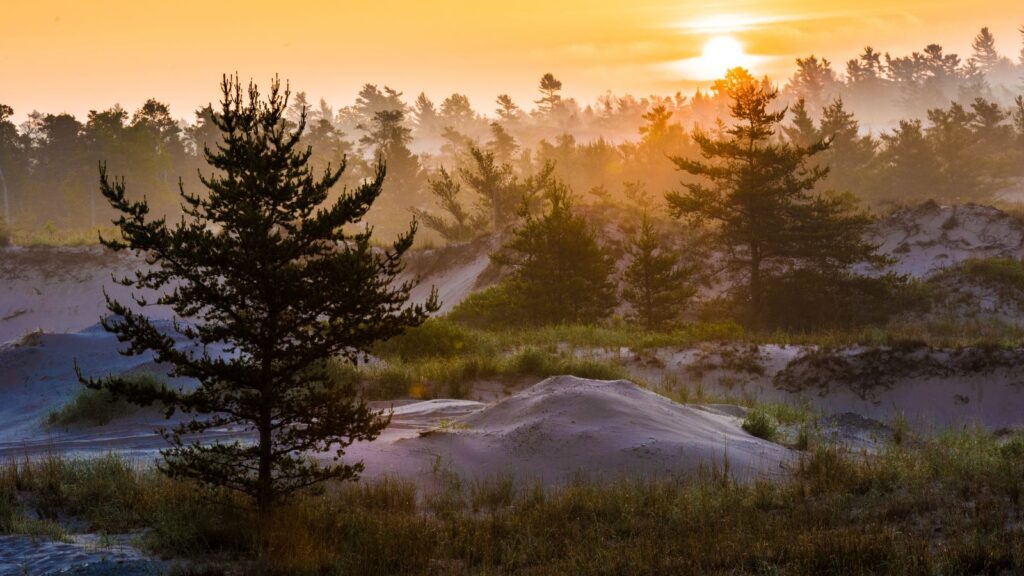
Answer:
(902, 128)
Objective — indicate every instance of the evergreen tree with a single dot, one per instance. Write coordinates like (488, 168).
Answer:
(758, 192)
(908, 170)
(803, 132)
(494, 184)
(389, 137)
(814, 81)
(985, 53)
(502, 143)
(550, 98)
(427, 120)
(12, 161)
(656, 286)
(261, 267)
(560, 275)
(462, 225)
(1020, 58)
(457, 113)
(849, 155)
(955, 145)
(507, 109)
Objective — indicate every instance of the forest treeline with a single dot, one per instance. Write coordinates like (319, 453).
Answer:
(930, 124)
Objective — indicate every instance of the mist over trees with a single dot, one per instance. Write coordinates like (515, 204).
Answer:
(902, 128)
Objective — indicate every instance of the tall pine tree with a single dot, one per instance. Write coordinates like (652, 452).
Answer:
(261, 266)
(759, 194)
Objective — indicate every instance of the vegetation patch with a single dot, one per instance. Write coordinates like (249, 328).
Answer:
(868, 369)
(937, 506)
(92, 407)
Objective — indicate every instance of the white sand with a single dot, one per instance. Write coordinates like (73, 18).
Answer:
(59, 290)
(566, 427)
(928, 237)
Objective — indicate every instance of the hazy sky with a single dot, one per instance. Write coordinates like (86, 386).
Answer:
(77, 55)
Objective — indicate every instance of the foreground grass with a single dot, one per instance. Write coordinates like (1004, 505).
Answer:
(949, 505)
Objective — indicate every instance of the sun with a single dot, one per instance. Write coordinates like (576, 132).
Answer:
(720, 53)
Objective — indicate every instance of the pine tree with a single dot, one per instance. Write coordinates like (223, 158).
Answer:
(656, 286)
(560, 275)
(759, 193)
(494, 184)
(985, 53)
(813, 81)
(507, 109)
(907, 167)
(502, 143)
(1021, 56)
(549, 89)
(262, 268)
(849, 155)
(803, 132)
(462, 225)
(389, 138)
(10, 158)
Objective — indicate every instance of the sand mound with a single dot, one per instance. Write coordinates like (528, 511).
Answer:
(929, 237)
(567, 427)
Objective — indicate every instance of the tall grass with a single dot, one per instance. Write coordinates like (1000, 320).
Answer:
(949, 505)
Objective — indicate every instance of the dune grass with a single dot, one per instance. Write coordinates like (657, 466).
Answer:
(453, 377)
(948, 505)
(98, 407)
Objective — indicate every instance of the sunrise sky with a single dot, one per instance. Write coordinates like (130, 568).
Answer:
(74, 55)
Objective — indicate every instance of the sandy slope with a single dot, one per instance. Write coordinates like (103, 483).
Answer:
(928, 237)
(566, 427)
(930, 388)
(59, 289)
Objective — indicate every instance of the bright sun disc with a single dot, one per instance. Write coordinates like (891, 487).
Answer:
(720, 54)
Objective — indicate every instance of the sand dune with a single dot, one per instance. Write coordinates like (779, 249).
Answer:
(566, 427)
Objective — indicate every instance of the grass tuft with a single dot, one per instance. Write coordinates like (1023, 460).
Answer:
(99, 407)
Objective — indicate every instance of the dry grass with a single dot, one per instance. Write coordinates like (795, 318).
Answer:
(950, 505)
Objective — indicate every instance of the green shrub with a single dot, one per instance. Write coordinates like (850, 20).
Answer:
(536, 362)
(389, 382)
(437, 337)
(809, 300)
(995, 272)
(98, 407)
(491, 308)
(761, 424)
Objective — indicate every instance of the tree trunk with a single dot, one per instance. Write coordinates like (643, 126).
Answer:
(755, 285)
(264, 482)
(7, 199)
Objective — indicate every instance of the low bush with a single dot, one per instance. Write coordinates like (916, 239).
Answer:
(995, 272)
(808, 300)
(489, 309)
(98, 407)
(437, 337)
(761, 424)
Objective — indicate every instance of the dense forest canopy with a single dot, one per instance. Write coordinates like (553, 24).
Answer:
(930, 124)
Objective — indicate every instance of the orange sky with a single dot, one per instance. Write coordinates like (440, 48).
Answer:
(76, 55)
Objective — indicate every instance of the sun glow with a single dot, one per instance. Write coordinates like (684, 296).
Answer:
(719, 54)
